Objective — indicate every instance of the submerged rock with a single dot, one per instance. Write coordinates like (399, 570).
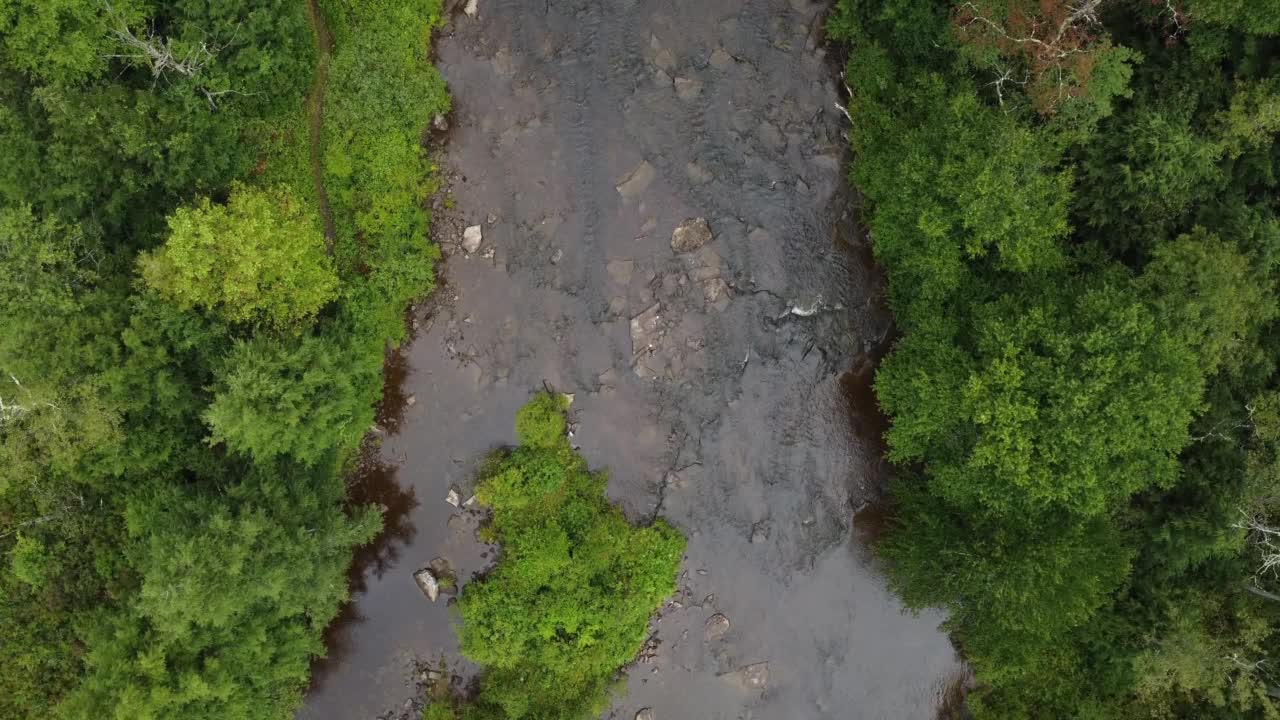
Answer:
(721, 59)
(716, 292)
(750, 677)
(698, 174)
(691, 235)
(620, 270)
(646, 329)
(428, 583)
(687, 88)
(636, 182)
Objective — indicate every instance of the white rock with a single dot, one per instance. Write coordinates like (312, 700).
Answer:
(473, 6)
(471, 238)
(427, 583)
(454, 498)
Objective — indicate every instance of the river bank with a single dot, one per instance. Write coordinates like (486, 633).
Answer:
(724, 387)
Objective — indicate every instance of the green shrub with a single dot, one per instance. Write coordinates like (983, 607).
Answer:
(569, 602)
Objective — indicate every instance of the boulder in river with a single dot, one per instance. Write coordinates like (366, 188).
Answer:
(717, 625)
(471, 238)
(691, 235)
(751, 677)
(645, 714)
(428, 583)
(453, 497)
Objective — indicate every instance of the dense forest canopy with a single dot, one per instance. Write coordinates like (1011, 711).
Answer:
(1075, 203)
(199, 274)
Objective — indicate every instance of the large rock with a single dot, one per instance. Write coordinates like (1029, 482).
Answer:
(645, 714)
(717, 625)
(691, 235)
(751, 677)
(428, 583)
(471, 239)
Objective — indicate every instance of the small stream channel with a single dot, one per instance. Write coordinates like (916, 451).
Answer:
(584, 132)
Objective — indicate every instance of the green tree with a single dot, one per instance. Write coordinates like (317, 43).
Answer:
(569, 603)
(264, 563)
(286, 397)
(258, 259)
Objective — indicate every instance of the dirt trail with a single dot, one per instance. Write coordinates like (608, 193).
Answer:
(315, 115)
(737, 407)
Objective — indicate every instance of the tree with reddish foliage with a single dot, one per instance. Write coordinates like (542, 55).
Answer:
(1054, 51)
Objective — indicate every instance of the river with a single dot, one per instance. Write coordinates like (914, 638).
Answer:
(584, 132)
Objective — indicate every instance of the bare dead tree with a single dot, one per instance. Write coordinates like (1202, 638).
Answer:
(1219, 429)
(1265, 539)
(1084, 13)
(1056, 43)
(1006, 77)
(1177, 17)
(159, 54)
(10, 411)
(162, 55)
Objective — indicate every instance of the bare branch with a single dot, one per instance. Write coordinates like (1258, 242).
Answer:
(161, 54)
(1266, 540)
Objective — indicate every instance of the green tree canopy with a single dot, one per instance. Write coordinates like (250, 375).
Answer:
(569, 602)
(285, 397)
(258, 259)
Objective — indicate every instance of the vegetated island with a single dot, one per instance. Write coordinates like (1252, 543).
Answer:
(569, 601)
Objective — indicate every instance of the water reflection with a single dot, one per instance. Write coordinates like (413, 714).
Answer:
(373, 483)
(951, 701)
(395, 399)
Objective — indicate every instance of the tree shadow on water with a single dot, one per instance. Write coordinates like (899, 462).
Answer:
(373, 483)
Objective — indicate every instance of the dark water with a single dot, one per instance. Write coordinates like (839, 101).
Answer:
(586, 131)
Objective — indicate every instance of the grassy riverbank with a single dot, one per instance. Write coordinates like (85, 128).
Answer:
(189, 368)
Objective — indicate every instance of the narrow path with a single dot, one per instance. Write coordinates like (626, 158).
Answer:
(716, 385)
(315, 116)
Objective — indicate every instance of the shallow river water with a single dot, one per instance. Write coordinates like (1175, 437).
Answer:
(739, 408)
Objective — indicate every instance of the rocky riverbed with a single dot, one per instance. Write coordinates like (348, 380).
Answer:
(645, 207)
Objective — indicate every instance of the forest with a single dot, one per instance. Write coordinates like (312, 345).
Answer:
(211, 224)
(1074, 202)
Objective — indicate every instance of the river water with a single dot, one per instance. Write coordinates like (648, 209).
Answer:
(584, 132)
